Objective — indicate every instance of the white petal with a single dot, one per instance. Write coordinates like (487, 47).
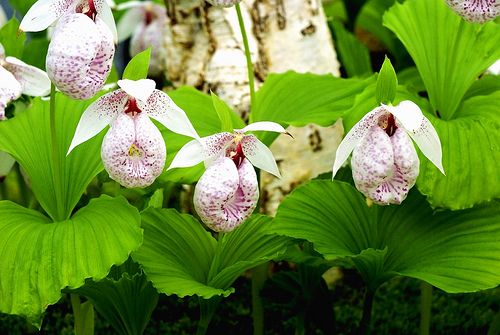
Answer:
(105, 14)
(98, 115)
(43, 13)
(2, 50)
(130, 21)
(128, 5)
(6, 164)
(408, 114)
(259, 155)
(428, 141)
(34, 81)
(3, 17)
(263, 125)
(80, 55)
(201, 149)
(226, 196)
(163, 109)
(139, 89)
(133, 151)
(189, 155)
(10, 89)
(354, 136)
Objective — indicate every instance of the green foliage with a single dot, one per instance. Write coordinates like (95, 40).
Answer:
(299, 99)
(387, 83)
(223, 112)
(138, 66)
(181, 258)
(33, 151)
(449, 53)
(12, 43)
(39, 258)
(456, 251)
(353, 54)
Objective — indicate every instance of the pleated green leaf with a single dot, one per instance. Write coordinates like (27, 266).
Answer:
(39, 258)
(457, 251)
(176, 253)
(243, 249)
(27, 138)
(202, 114)
(449, 53)
(127, 304)
(298, 99)
(181, 258)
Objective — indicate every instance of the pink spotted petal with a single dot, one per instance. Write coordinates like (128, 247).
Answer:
(223, 3)
(226, 196)
(43, 13)
(10, 89)
(80, 55)
(34, 81)
(259, 154)
(98, 115)
(151, 34)
(475, 11)
(105, 14)
(162, 108)
(385, 168)
(354, 137)
(133, 151)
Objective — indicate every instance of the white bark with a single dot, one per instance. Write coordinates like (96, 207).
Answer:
(205, 50)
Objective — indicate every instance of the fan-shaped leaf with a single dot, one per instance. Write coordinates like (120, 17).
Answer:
(39, 258)
(457, 251)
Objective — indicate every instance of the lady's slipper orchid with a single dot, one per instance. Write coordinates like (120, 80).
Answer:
(223, 3)
(475, 11)
(227, 193)
(145, 22)
(384, 162)
(133, 150)
(81, 51)
(16, 78)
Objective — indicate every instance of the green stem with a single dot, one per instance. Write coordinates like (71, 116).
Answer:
(365, 324)
(300, 327)
(56, 175)
(425, 307)
(207, 311)
(247, 54)
(259, 277)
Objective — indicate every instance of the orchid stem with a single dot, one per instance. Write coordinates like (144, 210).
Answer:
(55, 156)
(365, 324)
(247, 54)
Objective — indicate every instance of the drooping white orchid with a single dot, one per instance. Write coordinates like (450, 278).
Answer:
(384, 162)
(16, 78)
(227, 193)
(81, 51)
(475, 11)
(3, 17)
(223, 3)
(133, 150)
(145, 21)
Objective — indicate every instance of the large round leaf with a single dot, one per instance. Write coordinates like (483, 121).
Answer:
(181, 258)
(457, 251)
(39, 258)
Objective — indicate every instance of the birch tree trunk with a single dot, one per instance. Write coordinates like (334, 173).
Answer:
(205, 50)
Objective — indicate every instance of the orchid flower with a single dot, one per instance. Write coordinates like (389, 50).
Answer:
(494, 69)
(227, 193)
(81, 51)
(145, 22)
(133, 150)
(223, 3)
(384, 162)
(475, 11)
(16, 78)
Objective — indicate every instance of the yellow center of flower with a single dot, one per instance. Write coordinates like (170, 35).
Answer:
(133, 151)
